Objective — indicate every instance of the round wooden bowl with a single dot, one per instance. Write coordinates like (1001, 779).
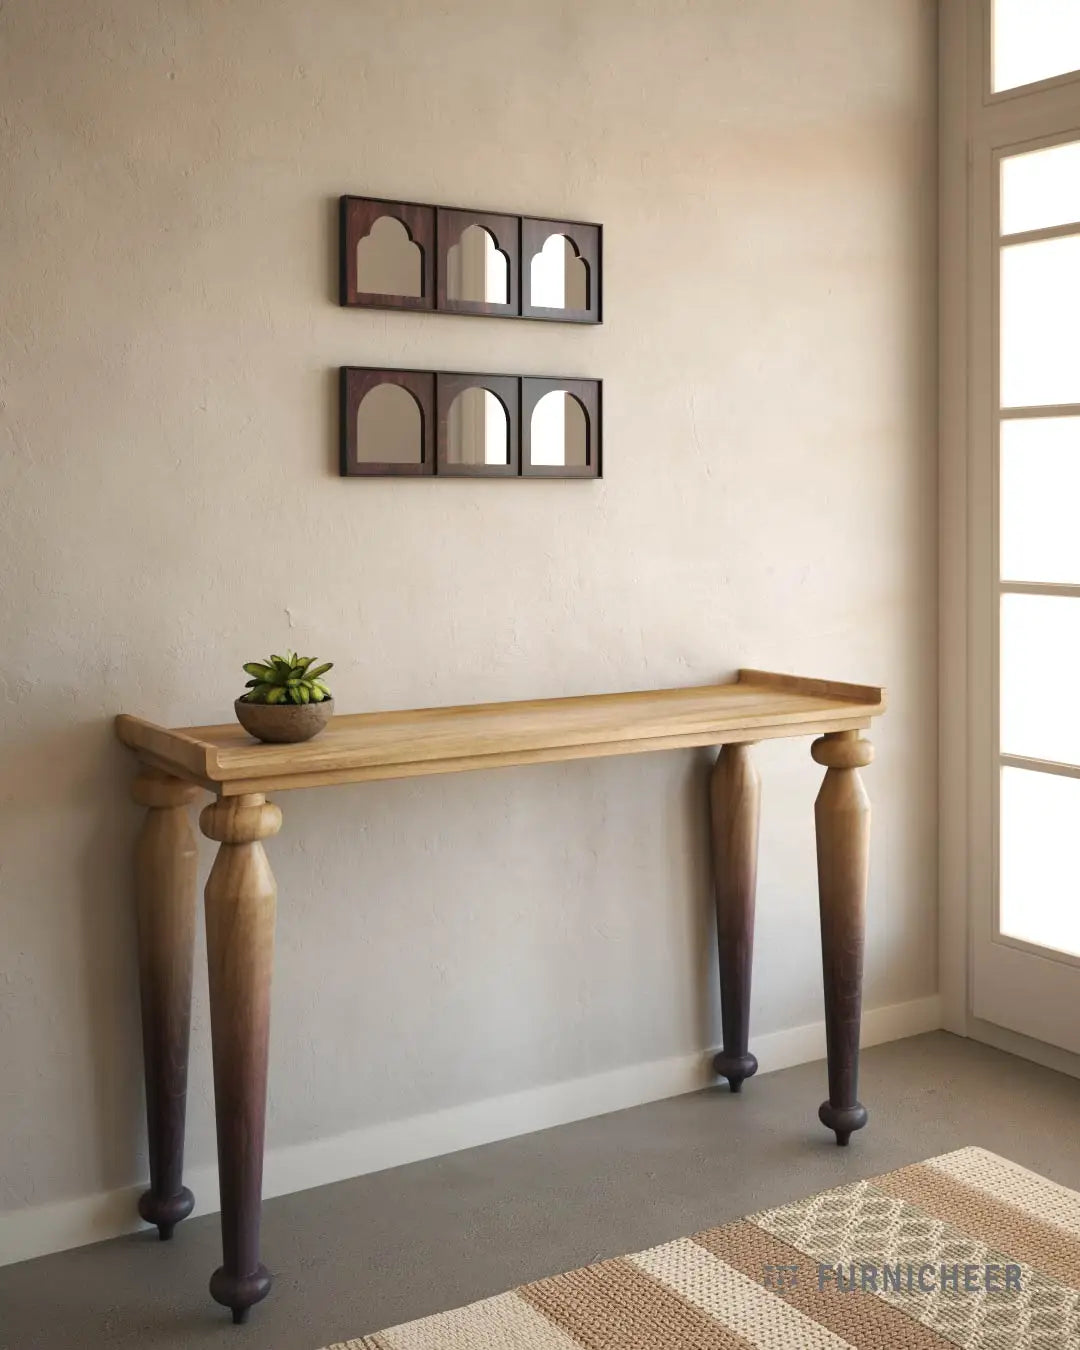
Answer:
(284, 722)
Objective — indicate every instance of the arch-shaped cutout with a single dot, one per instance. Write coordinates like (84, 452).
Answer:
(559, 275)
(389, 427)
(477, 429)
(559, 431)
(477, 270)
(389, 261)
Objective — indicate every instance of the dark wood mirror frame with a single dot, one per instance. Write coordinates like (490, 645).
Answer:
(435, 391)
(450, 225)
(435, 230)
(358, 215)
(356, 383)
(589, 394)
(586, 241)
(507, 389)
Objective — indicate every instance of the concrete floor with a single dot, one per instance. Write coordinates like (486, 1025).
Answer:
(367, 1253)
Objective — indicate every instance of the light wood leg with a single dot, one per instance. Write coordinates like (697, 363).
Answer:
(165, 866)
(735, 792)
(241, 900)
(842, 817)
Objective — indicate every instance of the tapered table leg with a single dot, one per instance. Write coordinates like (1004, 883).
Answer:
(241, 900)
(842, 818)
(735, 792)
(165, 864)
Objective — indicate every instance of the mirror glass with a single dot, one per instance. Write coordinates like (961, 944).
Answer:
(389, 427)
(559, 433)
(559, 279)
(477, 429)
(388, 262)
(476, 269)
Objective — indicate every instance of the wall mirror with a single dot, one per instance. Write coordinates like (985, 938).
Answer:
(478, 263)
(559, 433)
(390, 427)
(388, 262)
(452, 424)
(560, 271)
(560, 428)
(386, 417)
(387, 254)
(406, 255)
(558, 276)
(478, 419)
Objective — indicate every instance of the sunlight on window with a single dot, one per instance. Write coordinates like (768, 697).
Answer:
(1040, 322)
(1041, 189)
(1040, 859)
(1034, 40)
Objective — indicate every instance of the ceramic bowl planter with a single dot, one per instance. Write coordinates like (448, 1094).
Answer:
(283, 722)
(287, 699)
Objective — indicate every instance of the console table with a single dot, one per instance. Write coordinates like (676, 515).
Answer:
(241, 893)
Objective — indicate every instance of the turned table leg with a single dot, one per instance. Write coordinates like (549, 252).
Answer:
(241, 899)
(165, 865)
(842, 818)
(735, 792)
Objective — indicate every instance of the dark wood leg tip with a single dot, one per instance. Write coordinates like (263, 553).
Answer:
(735, 1068)
(167, 1213)
(843, 1120)
(240, 1292)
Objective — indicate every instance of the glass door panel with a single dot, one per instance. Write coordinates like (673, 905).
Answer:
(1040, 189)
(1040, 322)
(1040, 677)
(1040, 859)
(1040, 499)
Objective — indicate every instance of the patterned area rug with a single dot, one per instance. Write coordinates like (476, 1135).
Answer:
(963, 1250)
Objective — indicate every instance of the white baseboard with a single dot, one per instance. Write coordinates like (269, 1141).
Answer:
(35, 1231)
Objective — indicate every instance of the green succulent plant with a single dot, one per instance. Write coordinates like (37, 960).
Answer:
(286, 679)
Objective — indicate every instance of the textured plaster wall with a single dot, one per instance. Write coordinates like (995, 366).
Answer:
(169, 507)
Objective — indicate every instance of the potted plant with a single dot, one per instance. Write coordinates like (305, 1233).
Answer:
(286, 698)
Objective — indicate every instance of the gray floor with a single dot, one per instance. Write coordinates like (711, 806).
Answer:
(380, 1249)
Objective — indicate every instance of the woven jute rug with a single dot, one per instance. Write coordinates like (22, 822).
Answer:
(966, 1249)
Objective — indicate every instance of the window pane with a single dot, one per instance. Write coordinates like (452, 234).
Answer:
(1034, 40)
(1041, 188)
(1040, 859)
(1040, 322)
(1040, 677)
(1040, 493)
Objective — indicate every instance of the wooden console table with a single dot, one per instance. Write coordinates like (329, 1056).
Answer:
(241, 893)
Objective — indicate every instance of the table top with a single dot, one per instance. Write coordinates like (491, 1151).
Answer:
(758, 705)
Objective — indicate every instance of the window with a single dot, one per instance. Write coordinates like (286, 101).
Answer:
(1034, 40)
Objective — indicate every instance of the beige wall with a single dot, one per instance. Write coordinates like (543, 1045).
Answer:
(169, 340)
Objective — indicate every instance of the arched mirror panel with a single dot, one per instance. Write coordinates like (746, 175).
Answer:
(478, 263)
(387, 421)
(387, 254)
(479, 423)
(561, 428)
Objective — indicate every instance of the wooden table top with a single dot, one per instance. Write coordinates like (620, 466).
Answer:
(756, 706)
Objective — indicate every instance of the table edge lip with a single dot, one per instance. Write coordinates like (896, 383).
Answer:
(186, 756)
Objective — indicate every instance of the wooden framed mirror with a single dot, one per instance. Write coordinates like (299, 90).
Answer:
(560, 271)
(458, 424)
(387, 417)
(560, 428)
(479, 257)
(452, 260)
(387, 254)
(479, 425)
